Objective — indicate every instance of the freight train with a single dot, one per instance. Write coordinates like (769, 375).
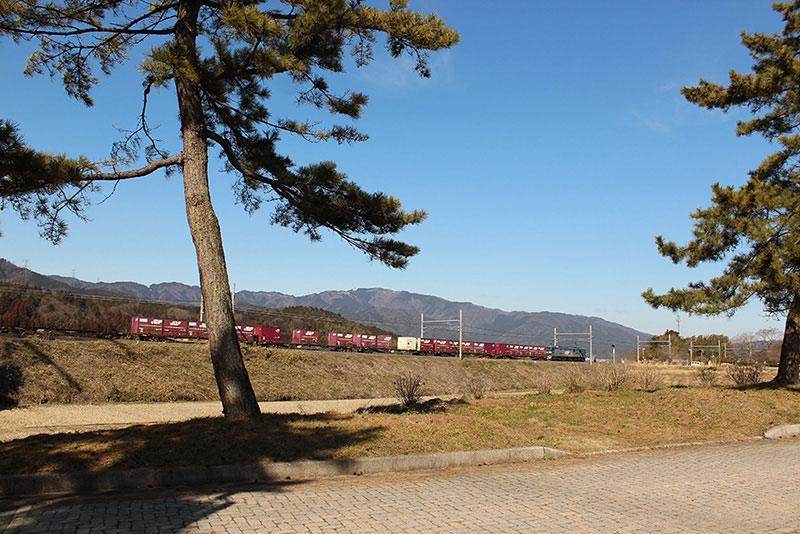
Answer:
(267, 335)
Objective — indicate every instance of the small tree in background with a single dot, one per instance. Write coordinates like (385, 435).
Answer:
(762, 345)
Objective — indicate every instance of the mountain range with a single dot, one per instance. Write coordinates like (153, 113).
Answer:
(397, 311)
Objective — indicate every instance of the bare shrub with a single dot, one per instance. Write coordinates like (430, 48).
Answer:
(543, 383)
(574, 381)
(613, 376)
(747, 374)
(707, 376)
(408, 389)
(476, 387)
(648, 378)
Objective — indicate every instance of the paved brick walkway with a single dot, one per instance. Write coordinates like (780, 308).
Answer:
(742, 487)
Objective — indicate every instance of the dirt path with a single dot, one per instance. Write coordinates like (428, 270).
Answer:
(23, 422)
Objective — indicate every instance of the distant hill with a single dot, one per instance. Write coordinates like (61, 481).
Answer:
(400, 311)
(397, 311)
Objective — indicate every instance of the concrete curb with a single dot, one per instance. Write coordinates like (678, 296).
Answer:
(783, 431)
(87, 482)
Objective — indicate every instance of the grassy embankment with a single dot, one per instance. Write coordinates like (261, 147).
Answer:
(678, 410)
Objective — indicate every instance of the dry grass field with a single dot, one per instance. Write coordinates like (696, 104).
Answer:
(99, 371)
(575, 407)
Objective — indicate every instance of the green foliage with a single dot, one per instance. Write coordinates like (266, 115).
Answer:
(40, 185)
(247, 45)
(755, 227)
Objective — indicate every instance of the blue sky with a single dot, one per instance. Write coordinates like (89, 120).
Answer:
(549, 147)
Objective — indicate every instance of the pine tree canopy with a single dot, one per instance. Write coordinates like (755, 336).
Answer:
(227, 51)
(755, 228)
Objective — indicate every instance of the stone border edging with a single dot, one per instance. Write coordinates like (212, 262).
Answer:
(783, 431)
(87, 482)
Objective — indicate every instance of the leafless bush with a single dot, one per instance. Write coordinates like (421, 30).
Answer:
(543, 383)
(707, 376)
(648, 378)
(613, 376)
(747, 374)
(476, 387)
(574, 380)
(408, 389)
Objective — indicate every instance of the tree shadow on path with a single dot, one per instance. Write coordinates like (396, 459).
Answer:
(198, 442)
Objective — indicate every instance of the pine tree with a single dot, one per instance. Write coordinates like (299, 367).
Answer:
(755, 227)
(219, 56)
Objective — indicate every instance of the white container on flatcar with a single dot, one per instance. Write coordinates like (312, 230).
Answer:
(407, 343)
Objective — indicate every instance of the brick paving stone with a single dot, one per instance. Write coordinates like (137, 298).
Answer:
(741, 487)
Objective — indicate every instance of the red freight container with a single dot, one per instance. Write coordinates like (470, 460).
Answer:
(426, 345)
(445, 346)
(501, 350)
(197, 329)
(340, 339)
(369, 341)
(472, 347)
(384, 343)
(268, 334)
(305, 337)
(147, 325)
(246, 333)
(176, 328)
(375, 342)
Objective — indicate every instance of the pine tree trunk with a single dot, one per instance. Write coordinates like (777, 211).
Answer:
(789, 365)
(233, 382)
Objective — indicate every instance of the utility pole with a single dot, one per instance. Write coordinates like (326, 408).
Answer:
(613, 353)
(421, 325)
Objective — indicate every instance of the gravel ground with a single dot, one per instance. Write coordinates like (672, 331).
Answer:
(19, 423)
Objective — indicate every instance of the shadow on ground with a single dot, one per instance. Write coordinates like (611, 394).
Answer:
(198, 442)
(10, 383)
(429, 406)
(161, 511)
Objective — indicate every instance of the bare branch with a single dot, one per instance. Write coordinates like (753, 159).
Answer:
(136, 173)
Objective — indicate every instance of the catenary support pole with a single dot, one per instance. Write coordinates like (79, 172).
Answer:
(637, 349)
(460, 332)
